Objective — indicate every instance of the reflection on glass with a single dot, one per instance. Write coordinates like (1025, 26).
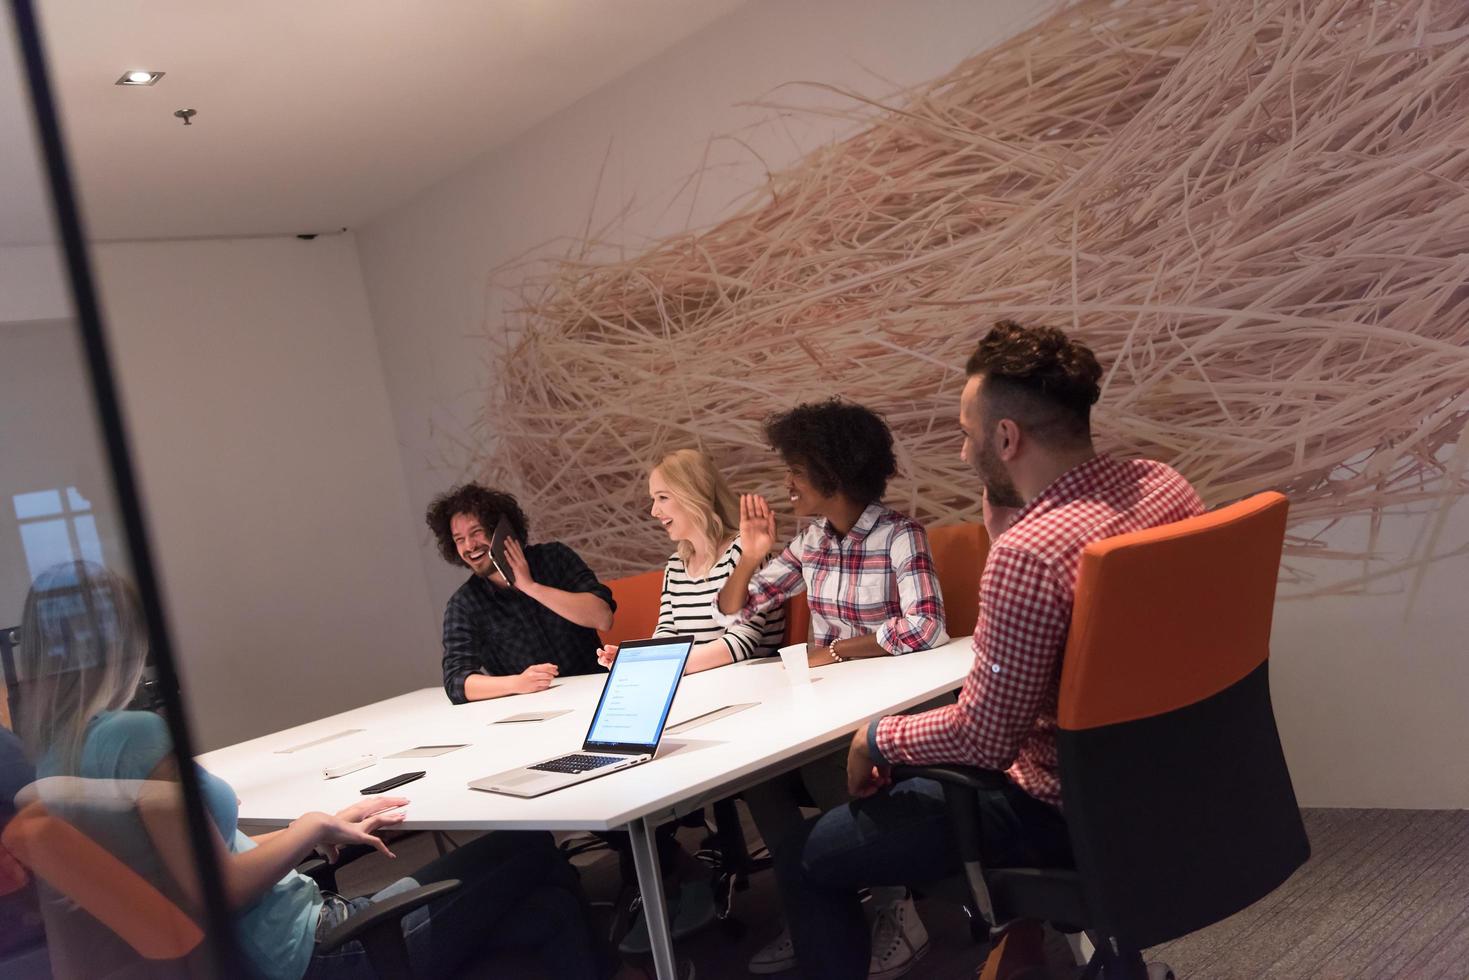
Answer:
(105, 794)
(42, 503)
(84, 890)
(52, 540)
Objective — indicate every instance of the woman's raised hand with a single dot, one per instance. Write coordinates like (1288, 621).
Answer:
(757, 525)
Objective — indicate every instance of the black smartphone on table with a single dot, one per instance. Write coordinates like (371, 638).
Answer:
(392, 782)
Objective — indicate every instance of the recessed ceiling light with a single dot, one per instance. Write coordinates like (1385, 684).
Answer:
(139, 78)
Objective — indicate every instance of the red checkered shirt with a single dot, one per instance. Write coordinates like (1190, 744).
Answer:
(877, 578)
(1006, 714)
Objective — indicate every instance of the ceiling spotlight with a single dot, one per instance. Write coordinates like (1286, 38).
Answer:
(139, 78)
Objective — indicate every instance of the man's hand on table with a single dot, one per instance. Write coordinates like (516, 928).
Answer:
(536, 677)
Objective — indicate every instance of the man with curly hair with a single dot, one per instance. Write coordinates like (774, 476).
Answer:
(501, 638)
(870, 584)
(1025, 415)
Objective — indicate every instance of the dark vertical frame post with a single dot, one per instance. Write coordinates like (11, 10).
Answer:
(220, 934)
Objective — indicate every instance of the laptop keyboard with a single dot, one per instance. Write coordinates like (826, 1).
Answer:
(579, 762)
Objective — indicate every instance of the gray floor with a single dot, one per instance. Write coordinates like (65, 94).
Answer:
(1385, 895)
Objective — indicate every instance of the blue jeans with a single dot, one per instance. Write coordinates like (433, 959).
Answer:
(900, 836)
(517, 890)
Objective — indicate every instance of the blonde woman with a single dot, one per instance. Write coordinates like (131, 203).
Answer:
(702, 515)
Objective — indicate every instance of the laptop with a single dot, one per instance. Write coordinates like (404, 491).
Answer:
(626, 727)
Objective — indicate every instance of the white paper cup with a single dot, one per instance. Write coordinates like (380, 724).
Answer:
(797, 668)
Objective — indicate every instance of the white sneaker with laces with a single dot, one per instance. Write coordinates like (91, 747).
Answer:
(776, 956)
(898, 940)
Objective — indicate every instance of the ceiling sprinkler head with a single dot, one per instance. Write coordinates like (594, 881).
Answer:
(186, 115)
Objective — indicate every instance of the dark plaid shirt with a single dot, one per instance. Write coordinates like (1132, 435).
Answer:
(492, 629)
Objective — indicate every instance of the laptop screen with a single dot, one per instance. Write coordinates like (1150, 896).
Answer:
(638, 694)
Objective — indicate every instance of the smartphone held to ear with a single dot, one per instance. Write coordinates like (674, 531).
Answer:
(497, 549)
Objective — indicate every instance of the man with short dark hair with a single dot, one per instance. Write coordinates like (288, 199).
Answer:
(501, 638)
(1026, 419)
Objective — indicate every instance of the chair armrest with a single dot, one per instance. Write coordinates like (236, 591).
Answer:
(324, 872)
(970, 777)
(317, 869)
(962, 786)
(382, 913)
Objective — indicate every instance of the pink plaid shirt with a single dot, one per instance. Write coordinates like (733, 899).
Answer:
(1006, 714)
(878, 578)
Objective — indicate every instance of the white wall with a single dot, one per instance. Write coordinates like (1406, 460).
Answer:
(49, 439)
(262, 435)
(1368, 701)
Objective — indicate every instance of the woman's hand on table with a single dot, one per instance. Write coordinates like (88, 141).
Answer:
(357, 824)
(819, 656)
(606, 655)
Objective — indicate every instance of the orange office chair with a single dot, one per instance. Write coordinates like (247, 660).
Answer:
(798, 620)
(958, 558)
(1174, 785)
(637, 598)
(143, 932)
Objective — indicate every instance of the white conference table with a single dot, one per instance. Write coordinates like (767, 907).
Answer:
(790, 724)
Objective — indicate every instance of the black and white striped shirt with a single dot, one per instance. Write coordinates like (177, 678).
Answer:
(687, 610)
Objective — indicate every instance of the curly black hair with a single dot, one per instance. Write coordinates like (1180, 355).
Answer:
(1039, 376)
(844, 448)
(481, 502)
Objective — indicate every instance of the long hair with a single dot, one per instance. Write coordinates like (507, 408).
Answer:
(83, 646)
(695, 483)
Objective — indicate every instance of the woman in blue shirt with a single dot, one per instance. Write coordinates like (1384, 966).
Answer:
(80, 658)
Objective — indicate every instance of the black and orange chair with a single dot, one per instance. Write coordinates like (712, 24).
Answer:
(103, 918)
(958, 554)
(22, 939)
(1174, 785)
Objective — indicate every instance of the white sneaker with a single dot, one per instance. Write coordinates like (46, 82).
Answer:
(776, 956)
(898, 941)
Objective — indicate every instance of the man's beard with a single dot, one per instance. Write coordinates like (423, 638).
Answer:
(998, 486)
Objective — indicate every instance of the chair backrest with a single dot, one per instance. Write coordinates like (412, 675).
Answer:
(637, 598)
(9, 640)
(1176, 790)
(103, 887)
(958, 558)
(798, 620)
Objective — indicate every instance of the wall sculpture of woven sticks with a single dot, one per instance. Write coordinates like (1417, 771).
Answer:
(1256, 212)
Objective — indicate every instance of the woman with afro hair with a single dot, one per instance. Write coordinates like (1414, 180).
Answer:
(870, 584)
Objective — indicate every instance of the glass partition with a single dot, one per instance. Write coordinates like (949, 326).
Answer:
(107, 865)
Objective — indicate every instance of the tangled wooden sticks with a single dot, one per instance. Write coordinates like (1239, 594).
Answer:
(1255, 212)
